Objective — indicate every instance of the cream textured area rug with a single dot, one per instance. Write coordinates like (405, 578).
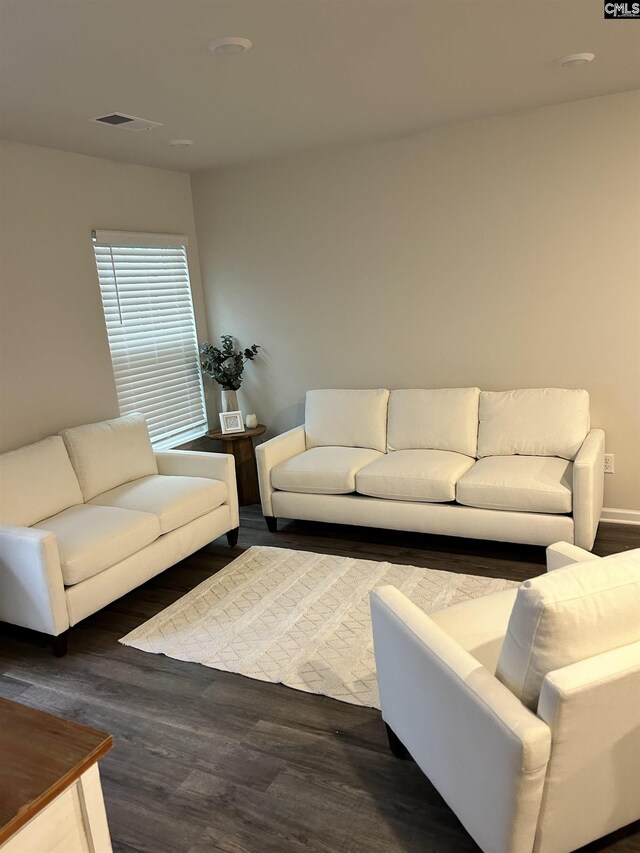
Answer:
(296, 618)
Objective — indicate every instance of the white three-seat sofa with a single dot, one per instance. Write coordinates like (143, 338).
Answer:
(516, 466)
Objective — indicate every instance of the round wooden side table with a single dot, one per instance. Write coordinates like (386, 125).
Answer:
(240, 446)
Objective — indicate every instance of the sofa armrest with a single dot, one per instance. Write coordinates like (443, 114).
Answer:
(484, 751)
(194, 463)
(273, 452)
(31, 586)
(588, 489)
(562, 554)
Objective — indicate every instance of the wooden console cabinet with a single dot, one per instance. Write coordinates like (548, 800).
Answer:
(50, 795)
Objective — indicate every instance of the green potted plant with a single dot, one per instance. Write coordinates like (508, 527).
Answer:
(225, 365)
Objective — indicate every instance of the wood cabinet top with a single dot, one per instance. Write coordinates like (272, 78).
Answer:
(218, 435)
(40, 756)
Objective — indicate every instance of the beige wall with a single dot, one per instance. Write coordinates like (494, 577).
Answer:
(502, 253)
(55, 367)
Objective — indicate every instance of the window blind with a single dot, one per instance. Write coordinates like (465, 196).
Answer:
(148, 310)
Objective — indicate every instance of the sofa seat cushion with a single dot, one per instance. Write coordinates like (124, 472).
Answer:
(519, 483)
(93, 538)
(569, 615)
(323, 470)
(414, 475)
(174, 500)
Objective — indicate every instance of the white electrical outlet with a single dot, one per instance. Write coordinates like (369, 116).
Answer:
(609, 466)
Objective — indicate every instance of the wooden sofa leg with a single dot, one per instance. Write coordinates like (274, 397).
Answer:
(397, 747)
(59, 644)
(272, 523)
(232, 537)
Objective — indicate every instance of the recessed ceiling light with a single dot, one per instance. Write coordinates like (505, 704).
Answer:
(229, 45)
(181, 143)
(574, 59)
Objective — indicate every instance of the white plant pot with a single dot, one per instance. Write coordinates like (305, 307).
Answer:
(229, 401)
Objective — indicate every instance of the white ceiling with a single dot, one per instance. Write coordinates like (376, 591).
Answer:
(321, 72)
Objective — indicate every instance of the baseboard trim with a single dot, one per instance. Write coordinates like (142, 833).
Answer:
(620, 516)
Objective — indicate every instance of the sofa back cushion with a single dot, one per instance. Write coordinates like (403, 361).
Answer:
(345, 418)
(533, 422)
(567, 616)
(110, 453)
(439, 419)
(37, 482)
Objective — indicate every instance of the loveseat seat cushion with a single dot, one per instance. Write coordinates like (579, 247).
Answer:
(569, 615)
(533, 422)
(109, 453)
(345, 418)
(174, 500)
(436, 419)
(519, 483)
(93, 538)
(414, 475)
(37, 481)
(323, 470)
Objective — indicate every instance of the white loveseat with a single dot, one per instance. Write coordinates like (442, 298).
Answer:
(88, 515)
(522, 706)
(517, 466)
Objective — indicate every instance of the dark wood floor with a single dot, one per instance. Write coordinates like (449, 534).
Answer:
(211, 761)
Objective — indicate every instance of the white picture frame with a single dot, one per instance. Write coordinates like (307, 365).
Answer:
(231, 422)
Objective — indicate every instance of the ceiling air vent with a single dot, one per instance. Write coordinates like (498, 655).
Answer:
(125, 122)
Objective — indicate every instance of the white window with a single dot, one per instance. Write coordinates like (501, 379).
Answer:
(146, 296)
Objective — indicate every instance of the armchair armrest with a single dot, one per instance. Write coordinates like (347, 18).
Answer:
(193, 463)
(31, 586)
(273, 452)
(588, 489)
(481, 748)
(562, 554)
(591, 707)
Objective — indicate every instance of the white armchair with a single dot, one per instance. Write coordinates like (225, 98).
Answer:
(522, 707)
